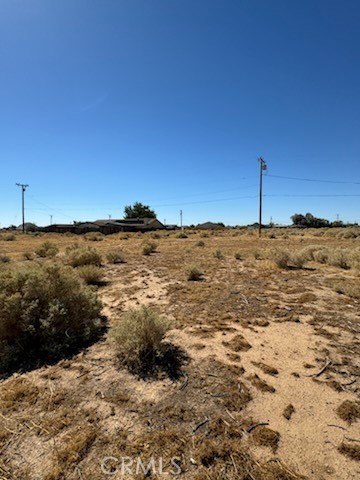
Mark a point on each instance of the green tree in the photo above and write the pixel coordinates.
(138, 210)
(308, 220)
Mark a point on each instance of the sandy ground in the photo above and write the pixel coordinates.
(299, 346)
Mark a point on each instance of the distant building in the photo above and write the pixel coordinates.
(108, 226)
(210, 226)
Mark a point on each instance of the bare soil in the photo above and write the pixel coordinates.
(255, 340)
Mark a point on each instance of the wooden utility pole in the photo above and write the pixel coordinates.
(23, 190)
(262, 168)
(181, 225)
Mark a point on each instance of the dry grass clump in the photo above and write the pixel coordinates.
(94, 236)
(193, 274)
(288, 411)
(115, 256)
(349, 411)
(346, 287)
(181, 235)
(298, 258)
(261, 384)
(321, 255)
(138, 337)
(44, 313)
(75, 446)
(200, 243)
(19, 392)
(266, 437)
(78, 256)
(9, 237)
(238, 344)
(4, 258)
(218, 254)
(47, 249)
(27, 256)
(266, 368)
(148, 247)
(339, 258)
(91, 274)
(350, 450)
(281, 257)
(349, 233)
(238, 256)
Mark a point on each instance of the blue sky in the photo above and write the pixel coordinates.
(171, 102)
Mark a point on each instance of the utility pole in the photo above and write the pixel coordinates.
(262, 168)
(181, 225)
(23, 190)
(109, 216)
(51, 219)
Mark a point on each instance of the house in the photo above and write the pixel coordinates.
(129, 225)
(210, 226)
(108, 226)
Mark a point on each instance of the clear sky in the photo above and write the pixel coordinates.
(171, 102)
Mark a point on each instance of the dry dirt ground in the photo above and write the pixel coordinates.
(266, 357)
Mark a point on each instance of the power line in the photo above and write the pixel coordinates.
(315, 195)
(47, 207)
(313, 180)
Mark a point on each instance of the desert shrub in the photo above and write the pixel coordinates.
(218, 254)
(345, 287)
(238, 256)
(193, 274)
(78, 256)
(9, 237)
(321, 256)
(298, 259)
(4, 258)
(281, 257)
(204, 235)
(349, 233)
(181, 235)
(354, 259)
(138, 336)
(148, 247)
(339, 258)
(156, 236)
(47, 249)
(309, 250)
(200, 243)
(94, 236)
(27, 256)
(115, 256)
(257, 254)
(45, 312)
(91, 274)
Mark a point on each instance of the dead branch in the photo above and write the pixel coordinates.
(250, 429)
(315, 375)
(185, 383)
(204, 422)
